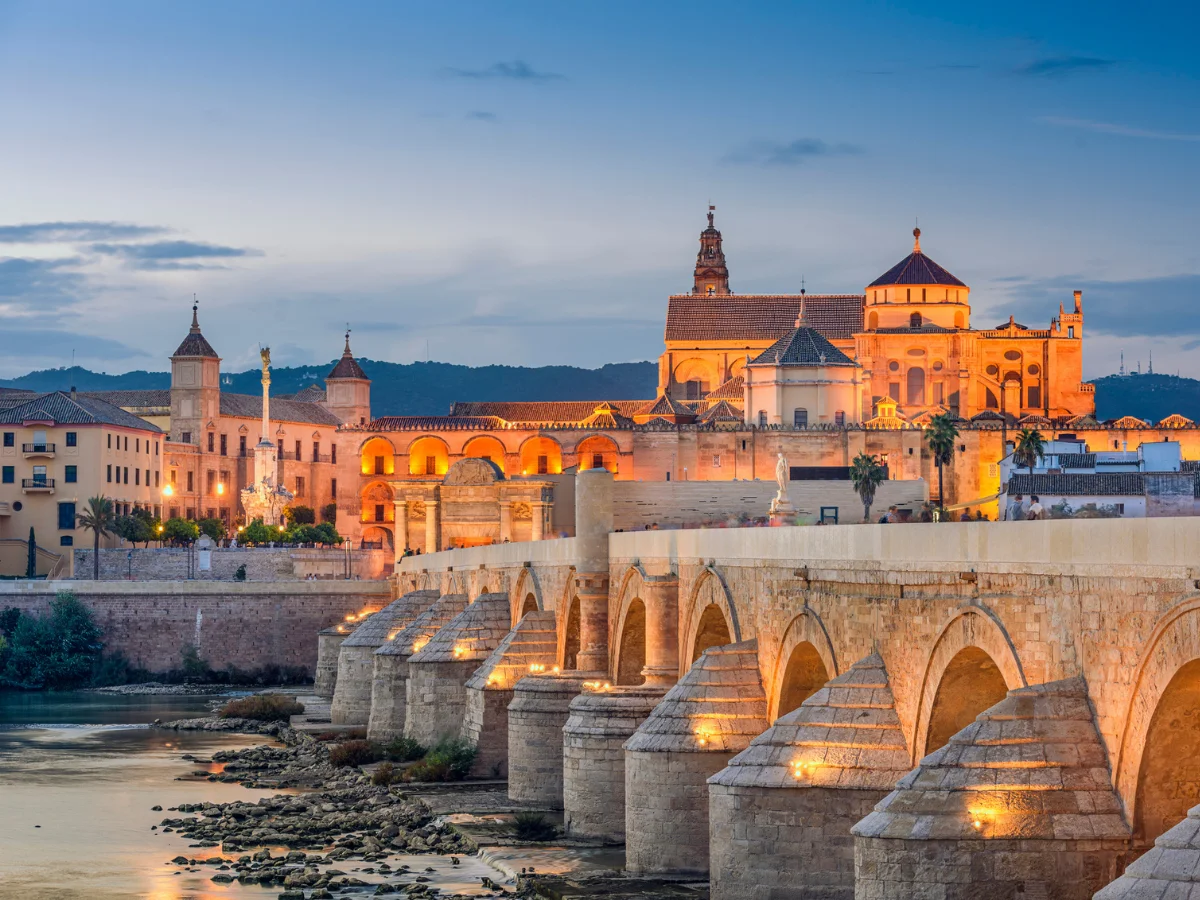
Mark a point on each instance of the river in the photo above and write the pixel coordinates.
(79, 773)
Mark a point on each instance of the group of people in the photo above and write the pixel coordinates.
(408, 551)
(1017, 511)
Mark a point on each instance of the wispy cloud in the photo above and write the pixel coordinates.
(791, 153)
(74, 232)
(517, 70)
(1121, 130)
(172, 255)
(52, 342)
(482, 115)
(40, 283)
(1063, 66)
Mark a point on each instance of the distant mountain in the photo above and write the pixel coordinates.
(1149, 397)
(416, 389)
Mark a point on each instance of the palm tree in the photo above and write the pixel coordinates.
(867, 473)
(1029, 447)
(99, 518)
(941, 433)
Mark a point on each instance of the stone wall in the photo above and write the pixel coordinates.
(262, 564)
(249, 626)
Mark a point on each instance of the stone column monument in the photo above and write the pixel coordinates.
(782, 511)
(264, 499)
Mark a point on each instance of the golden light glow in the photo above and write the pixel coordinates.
(349, 617)
(536, 668)
(977, 824)
(419, 643)
(804, 769)
(220, 489)
(168, 491)
(556, 670)
(459, 651)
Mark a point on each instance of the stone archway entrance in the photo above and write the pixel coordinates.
(1169, 779)
(971, 683)
(571, 640)
(804, 676)
(632, 657)
(529, 604)
(713, 631)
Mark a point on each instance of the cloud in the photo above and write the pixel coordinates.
(517, 70)
(1121, 130)
(72, 232)
(792, 153)
(482, 115)
(51, 343)
(39, 282)
(172, 255)
(1064, 66)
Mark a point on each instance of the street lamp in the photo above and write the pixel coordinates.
(220, 489)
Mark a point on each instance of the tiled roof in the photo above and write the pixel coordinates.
(665, 406)
(733, 389)
(311, 394)
(347, 367)
(249, 406)
(1118, 484)
(151, 399)
(723, 411)
(1077, 460)
(10, 397)
(916, 268)
(60, 408)
(433, 423)
(735, 317)
(927, 328)
(1128, 422)
(542, 410)
(802, 347)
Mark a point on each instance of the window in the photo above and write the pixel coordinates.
(1035, 396)
(173, 512)
(66, 517)
(156, 448)
(1120, 508)
(224, 445)
(543, 465)
(597, 460)
(908, 295)
(716, 460)
(378, 512)
(279, 447)
(241, 445)
(210, 513)
(939, 392)
(10, 438)
(9, 475)
(118, 474)
(110, 442)
(316, 451)
(894, 391)
(156, 477)
(333, 488)
(66, 540)
(762, 418)
(212, 443)
(137, 476)
(914, 321)
(71, 474)
(211, 483)
(186, 437)
(839, 418)
(39, 475)
(126, 444)
(137, 445)
(1071, 333)
(72, 439)
(190, 485)
(916, 386)
(922, 295)
(333, 453)
(298, 456)
(800, 418)
(379, 466)
(125, 476)
(191, 513)
(430, 465)
(174, 479)
(299, 486)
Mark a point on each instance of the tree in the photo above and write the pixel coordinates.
(138, 527)
(99, 517)
(1029, 447)
(866, 473)
(327, 534)
(55, 651)
(941, 433)
(180, 531)
(329, 513)
(299, 515)
(31, 559)
(214, 528)
(258, 533)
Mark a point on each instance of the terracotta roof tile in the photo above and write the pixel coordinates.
(802, 347)
(733, 389)
(61, 409)
(737, 317)
(1119, 484)
(542, 411)
(249, 406)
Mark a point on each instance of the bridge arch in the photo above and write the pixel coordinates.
(526, 597)
(712, 618)
(568, 624)
(629, 645)
(972, 666)
(1155, 768)
(805, 661)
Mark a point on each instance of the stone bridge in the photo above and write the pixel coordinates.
(999, 710)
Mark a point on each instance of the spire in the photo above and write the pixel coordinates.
(195, 317)
(346, 353)
(917, 240)
(347, 366)
(711, 275)
(194, 344)
(800, 323)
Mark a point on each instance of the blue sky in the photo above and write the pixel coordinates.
(524, 183)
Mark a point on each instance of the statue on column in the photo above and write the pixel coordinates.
(782, 511)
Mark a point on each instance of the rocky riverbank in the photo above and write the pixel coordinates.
(159, 689)
(340, 818)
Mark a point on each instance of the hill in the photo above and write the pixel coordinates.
(1149, 397)
(415, 389)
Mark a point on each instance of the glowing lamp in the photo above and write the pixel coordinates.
(168, 491)
(556, 670)
(220, 489)
(977, 824)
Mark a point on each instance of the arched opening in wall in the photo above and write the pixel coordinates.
(989, 399)
(1169, 780)
(970, 684)
(377, 504)
(873, 321)
(571, 642)
(541, 456)
(376, 538)
(959, 320)
(598, 452)
(485, 447)
(713, 631)
(428, 456)
(528, 605)
(804, 676)
(916, 386)
(378, 457)
(695, 377)
(633, 645)
(737, 367)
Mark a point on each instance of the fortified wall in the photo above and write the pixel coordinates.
(863, 711)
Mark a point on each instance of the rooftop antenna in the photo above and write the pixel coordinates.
(1121, 371)
(1150, 367)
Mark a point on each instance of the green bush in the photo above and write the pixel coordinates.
(329, 513)
(180, 531)
(240, 573)
(532, 826)
(327, 534)
(403, 749)
(258, 533)
(263, 708)
(384, 775)
(193, 665)
(214, 528)
(299, 515)
(59, 650)
(449, 760)
(355, 753)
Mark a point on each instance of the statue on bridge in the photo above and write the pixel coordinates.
(782, 511)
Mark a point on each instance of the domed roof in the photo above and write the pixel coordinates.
(916, 268)
(347, 366)
(195, 344)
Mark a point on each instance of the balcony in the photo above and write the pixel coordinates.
(31, 450)
(5, 508)
(37, 485)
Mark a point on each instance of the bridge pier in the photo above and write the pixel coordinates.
(710, 715)
(1168, 870)
(352, 691)
(439, 671)
(597, 727)
(660, 593)
(536, 716)
(532, 642)
(781, 811)
(389, 683)
(329, 644)
(1017, 804)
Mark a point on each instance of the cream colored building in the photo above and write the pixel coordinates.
(56, 451)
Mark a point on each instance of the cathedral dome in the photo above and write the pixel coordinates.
(916, 268)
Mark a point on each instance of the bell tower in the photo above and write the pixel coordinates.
(195, 385)
(348, 389)
(711, 275)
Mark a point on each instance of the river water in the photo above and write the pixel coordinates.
(79, 773)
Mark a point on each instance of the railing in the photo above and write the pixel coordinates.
(35, 483)
(370, 545)
(37, 448)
